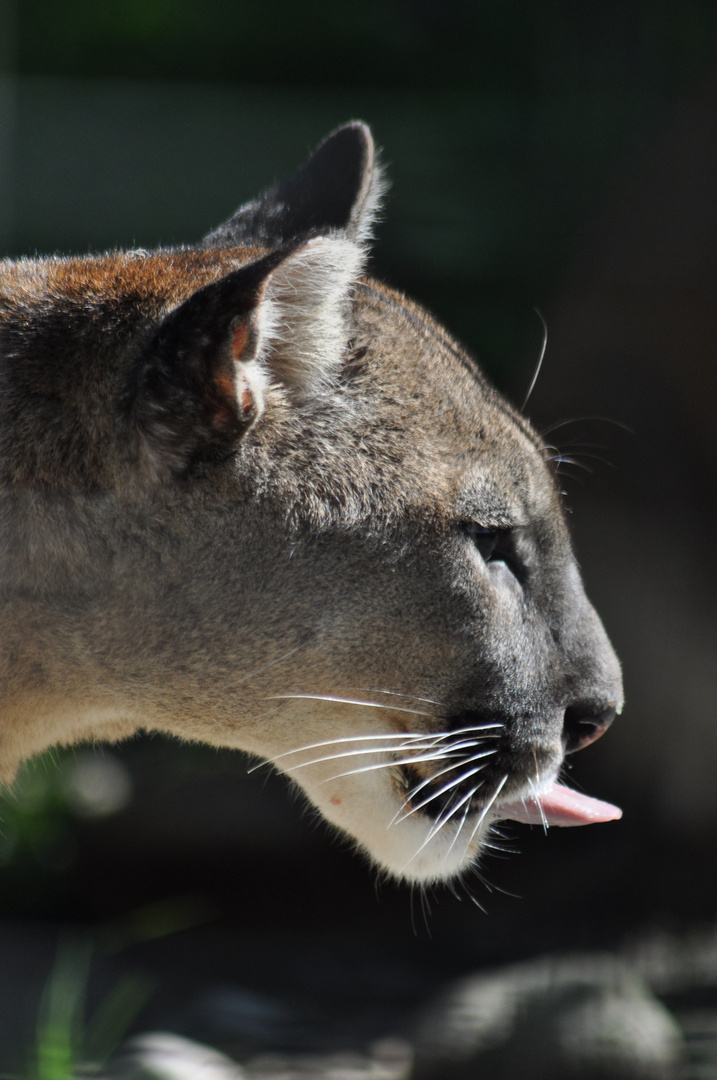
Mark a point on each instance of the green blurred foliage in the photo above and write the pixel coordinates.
(37, 819)
(68, 1042)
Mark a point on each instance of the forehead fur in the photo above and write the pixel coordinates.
(70, 327)
(130, 278)
(412, 428)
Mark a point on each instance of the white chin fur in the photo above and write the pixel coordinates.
(368, 807)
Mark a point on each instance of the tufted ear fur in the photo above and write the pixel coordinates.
(338, 189)
(200, 382)
(306, 314)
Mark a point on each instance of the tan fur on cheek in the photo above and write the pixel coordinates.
(244, 498)
(33, 722)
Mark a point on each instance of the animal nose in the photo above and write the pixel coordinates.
(585, 722)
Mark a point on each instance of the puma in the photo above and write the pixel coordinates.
(252, 497)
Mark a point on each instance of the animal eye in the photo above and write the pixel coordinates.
(485, 540)
(496, 545)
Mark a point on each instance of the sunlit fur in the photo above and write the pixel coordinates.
(356, 782)
(242, 490)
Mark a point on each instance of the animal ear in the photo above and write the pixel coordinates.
(338, 189)
(197, 387)
(201, 382)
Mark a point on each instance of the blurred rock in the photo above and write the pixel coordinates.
(161, 1056)
(389, 1059)
(586, 1017)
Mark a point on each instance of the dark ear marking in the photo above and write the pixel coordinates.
(197, 386)
(199, 382)
(337, 190)
(230, 400)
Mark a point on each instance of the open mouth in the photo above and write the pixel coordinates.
(441, 796)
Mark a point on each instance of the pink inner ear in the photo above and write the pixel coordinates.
(246, 397)
(233, 398)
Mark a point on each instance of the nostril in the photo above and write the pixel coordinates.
(584, 723)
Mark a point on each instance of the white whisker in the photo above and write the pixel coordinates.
(459, 830)
(536, 797)
(402, 739)
(346, 701)
(538, 803)
(394, 742)
(439, 756)
(376, 765)
(433, 832)
(474, 729)
(539, 365)
(430, 779)
(443, 738)
(452, 810)
(446, 787)
(408, 697)
(486, 810)
(465, 761)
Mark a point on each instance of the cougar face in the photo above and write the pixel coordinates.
(252, 497)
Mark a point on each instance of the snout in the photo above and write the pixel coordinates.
(585, 722)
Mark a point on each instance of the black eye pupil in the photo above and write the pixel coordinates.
(486, 540)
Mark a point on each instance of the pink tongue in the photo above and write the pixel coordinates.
(560, 806)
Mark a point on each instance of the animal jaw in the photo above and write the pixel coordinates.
(239, 481)
(418, 803)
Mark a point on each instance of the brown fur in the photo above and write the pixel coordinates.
(236, 476)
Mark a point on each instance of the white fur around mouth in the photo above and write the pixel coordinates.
(409, 846)
(413, 848)
(408, 799)
(423, 828)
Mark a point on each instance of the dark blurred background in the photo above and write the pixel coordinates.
(549, 155)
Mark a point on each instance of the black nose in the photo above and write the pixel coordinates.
(584, 723)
